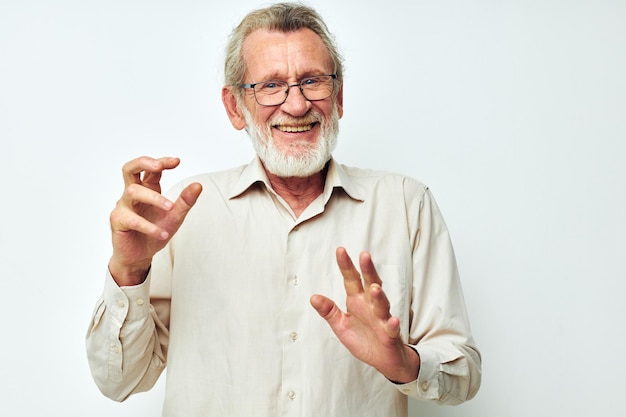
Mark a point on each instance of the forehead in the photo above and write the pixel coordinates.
(271, 54)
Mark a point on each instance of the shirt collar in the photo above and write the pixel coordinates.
(335, 178)
(250, 175)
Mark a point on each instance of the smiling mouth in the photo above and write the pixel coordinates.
(294, 129)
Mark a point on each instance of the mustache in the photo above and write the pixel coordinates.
(307, 119)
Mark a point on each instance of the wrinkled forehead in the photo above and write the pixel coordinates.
(270, 54)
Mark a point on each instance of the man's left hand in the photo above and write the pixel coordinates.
(367, 329)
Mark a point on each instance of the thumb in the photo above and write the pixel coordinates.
(326, 308)
(190, 194)
(186, 201)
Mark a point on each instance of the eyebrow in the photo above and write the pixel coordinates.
(275, 77)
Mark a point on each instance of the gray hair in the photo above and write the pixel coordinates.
(281, 17)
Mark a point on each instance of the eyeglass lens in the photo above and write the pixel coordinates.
(272, 93)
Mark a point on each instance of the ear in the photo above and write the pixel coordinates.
(340, 101)
(230, 104)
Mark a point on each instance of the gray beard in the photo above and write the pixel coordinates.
(306, 160)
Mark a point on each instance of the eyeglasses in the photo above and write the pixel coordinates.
(274, 93)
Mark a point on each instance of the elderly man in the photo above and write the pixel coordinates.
(231, 281)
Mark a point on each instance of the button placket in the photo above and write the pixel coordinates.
(292, 322)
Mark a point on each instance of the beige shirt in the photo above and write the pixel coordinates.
(226, 303)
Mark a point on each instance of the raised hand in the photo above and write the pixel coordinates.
(143, 220)
(367, 328)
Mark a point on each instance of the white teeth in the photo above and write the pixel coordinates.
(292, 129)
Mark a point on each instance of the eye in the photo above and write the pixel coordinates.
(310, 81)
(271, 85)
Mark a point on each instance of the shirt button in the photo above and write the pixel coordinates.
(295, 281)
(293, 336)
(425, 386)
(120, 303)
(140, 301)
(116, 349)
(291, 395)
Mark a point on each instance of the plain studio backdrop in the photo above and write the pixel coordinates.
(513, 112)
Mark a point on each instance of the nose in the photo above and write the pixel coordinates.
(296, 104)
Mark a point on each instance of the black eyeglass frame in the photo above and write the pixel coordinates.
(298, 84)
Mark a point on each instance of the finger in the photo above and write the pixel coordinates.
(327, 309)
(138, 194)
(380, 302)
(368, 270)
(382, 310)
(151, 168)
(151, 179)
(154, 177)
(133, 169)
(392, 327)
(351, 277)
(125, 220)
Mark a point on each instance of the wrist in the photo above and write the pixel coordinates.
(410, 371)
(128, 275)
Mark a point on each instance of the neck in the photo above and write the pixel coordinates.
(298, 192)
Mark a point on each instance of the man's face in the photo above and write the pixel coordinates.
(294, 139)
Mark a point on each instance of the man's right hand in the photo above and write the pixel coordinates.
(143, 221)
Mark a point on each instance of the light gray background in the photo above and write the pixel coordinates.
(514, 112)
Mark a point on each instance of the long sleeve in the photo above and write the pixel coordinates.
(450, 371)
(126, 341)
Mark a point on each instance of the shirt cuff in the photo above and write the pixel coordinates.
(127, 303)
